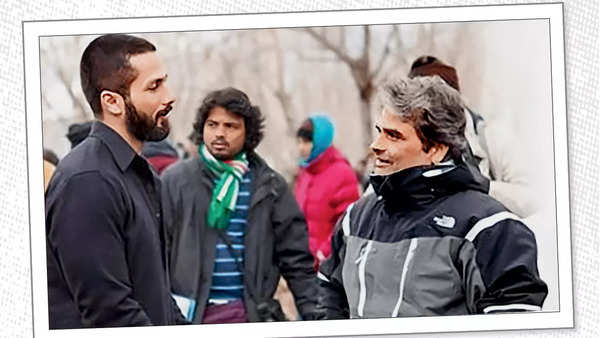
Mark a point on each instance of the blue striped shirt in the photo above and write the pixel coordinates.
(227, 280)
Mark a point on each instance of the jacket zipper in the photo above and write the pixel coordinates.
(409, 256)
(362, 262)
(261, 192)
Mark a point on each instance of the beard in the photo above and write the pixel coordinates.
(144, 127)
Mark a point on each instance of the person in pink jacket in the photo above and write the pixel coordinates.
(326, 184)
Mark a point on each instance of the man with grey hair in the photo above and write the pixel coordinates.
(503, 172)
(430, 241)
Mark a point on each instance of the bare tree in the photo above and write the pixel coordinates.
(364, 71)
(281, 92)
(289, 71)
(53, 54)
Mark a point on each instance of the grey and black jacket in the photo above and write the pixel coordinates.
(276, 239)
(429, 242)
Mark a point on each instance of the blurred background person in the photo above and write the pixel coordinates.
(187, 148)
(51, 157)
(50, 163)
(507, 182)
(160, 154)
(78, 132)
(326, 184)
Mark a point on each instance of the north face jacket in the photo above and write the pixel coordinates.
(430, 241)
(276, 240)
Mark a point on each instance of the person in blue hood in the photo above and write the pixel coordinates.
(326, 184)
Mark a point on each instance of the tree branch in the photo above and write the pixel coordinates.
(384, 54)
(342, 55)
(367, 42)
(307, 58)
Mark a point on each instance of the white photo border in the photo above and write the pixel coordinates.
(33, 30)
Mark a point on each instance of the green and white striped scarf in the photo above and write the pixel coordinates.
(225, 192)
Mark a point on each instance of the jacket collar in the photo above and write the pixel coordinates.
(119, 148)
(424, 184)
(322, 161)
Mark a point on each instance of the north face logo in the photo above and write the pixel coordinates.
(445, 221)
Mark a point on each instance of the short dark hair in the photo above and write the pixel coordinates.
(105, 66)
(235, 101)
(50, 156)
(432, 107)
(306, 130)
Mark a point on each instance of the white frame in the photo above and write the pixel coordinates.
(553, 12)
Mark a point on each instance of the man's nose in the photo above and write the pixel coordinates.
(377, 147)
(169, 98)
(220, 131)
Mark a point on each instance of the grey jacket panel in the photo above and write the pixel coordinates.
(431, 276)
(473, 284)
(368, 294)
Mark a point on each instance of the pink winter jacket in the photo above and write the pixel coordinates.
(323, 190)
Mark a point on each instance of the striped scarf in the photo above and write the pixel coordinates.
(225, 192)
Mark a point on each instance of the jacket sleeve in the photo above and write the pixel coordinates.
(506, 257)
(97, 274)
(510, 180)
(333, 303)
(170, 219)
(291, 248)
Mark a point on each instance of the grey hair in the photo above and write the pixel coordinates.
(432, 107)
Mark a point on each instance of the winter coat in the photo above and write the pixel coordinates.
(430, 241)
(324, 189)
(498, 160)
(276, 239)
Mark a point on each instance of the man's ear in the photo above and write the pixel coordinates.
(437, 153)
(112, 102)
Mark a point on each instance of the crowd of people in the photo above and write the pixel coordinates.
(138, 235)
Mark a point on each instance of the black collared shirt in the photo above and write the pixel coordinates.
(105, 240)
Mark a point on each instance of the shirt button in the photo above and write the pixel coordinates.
(157, 215)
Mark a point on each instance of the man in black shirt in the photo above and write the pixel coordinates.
(105, 240)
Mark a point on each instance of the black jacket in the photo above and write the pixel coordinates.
(429, 242)
(276, 240)
(105, 242)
